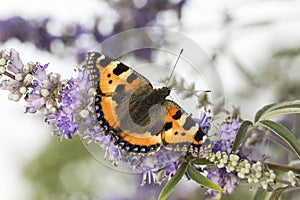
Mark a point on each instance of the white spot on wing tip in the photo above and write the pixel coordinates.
(101, 57)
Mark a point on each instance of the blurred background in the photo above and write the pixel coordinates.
(254, 45)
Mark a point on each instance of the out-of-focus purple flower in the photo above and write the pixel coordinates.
(228, 132)
(131, 14)
(204, 122)
(226, 136)
(228, 181)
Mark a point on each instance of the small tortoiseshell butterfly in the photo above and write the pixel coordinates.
(137, 116)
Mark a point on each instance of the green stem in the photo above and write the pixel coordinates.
(283, 168)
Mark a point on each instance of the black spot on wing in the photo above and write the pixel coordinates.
(189, 122)
(177, 115)
(131, 78)
(199, 135)
(168, 126)
(120, 69)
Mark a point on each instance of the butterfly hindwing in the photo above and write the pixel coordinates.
(180, 132)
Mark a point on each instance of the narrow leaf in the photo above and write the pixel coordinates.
(272, 110)
(240, 135)
(262, 111)
(199, 178)
(277, 193)
(260, 194)
(169, 187)
(294, 103)
(284, 133)
(202, 161)
(282, 111)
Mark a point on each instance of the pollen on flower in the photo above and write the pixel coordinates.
(5, 54)
(55, 78)
(2, 62)
(2, 70)
(27, 69)
(19, 77)
(45, 92)
(28, 79)
(84, 113)
(14, 97)
(23, 90)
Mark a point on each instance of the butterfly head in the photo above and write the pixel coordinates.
(165, 91)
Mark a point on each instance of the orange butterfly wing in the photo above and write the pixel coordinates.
(115, 84)
(181, 132)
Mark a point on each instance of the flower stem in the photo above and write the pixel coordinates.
(9, 75)
(283, 168)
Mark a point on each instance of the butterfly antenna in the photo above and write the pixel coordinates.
(174, 67)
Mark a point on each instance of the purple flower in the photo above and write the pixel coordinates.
(65, 124)
(204, 122)
(43, 91)
(19, 76)
(39, 72)
(15, 65)
(130, 15)
(228, 132)
(227, 180)
(226, 137)
(71, 104)
(34, 103)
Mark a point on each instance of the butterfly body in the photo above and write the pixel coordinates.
(137, 116)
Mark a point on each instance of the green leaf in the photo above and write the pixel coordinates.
(169, 187)
(199, 178)
(240, 135)
(272, 110)
(284, 133)
(294, 103)
(277, 193)
(281, 111)
(262, 111)
(202, 161)
(260, 194)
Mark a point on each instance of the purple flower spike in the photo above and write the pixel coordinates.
(65, 124)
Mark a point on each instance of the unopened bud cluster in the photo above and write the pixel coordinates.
(252, 173)
(292, 178)
(4, 57)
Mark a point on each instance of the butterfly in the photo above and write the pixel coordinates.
(138, 117)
